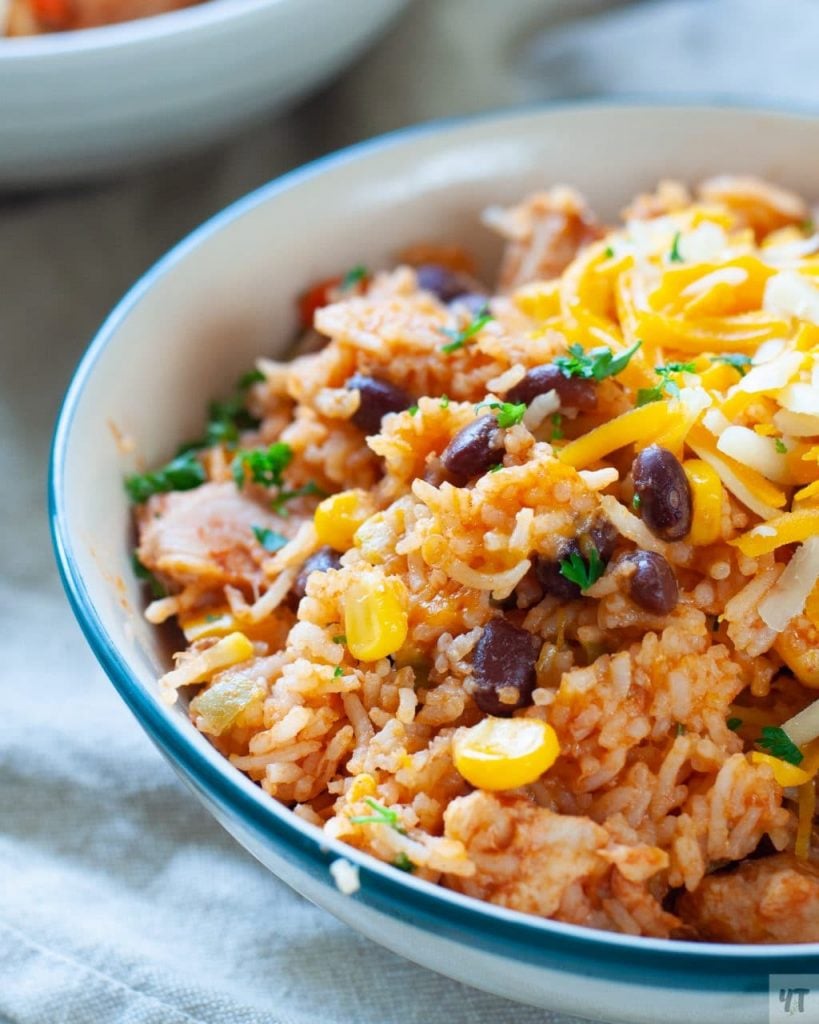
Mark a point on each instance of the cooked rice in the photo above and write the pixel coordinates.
(655, 787)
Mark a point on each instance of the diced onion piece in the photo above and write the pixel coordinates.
(756, 451)
(599, 479)
(792, 294)
(705, 242)
(631, 526)
(790, 592)
(230, 650)
(796, 424)
(221, 704)
(801, 398)
(715, 421)
(773, 375)
(540, 407)
(785, 528)
(807, 810)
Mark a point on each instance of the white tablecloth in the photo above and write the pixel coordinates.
(121, 901)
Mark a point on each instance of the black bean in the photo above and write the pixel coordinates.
(600, 534)
(446, 284)
(504, 668)
(320, 561)
(573, 392)
(663, 491)
(473, 450)
(552, 579)
(378, 397)
(652, 583)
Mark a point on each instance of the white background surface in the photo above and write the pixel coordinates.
(121, 902)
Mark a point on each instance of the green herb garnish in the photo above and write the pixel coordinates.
(508, 413)
(413, 409)
(608, 252)
(403, 863)
(382, 816)
(212, 617)
(557, 427)
(496, 468)
(181, 474)
(248, 379)
(636, 502)
(667, 386)
(144, 574)
(777, 742)
(780, 446)
(306, 490)
(597, 363)
(460, 338)
(734, 723)
(265, 465)
(353, 277)
(444, 403)
(679, 729)
(738, 360)
(583, 573)
(270, 540)
(674, 256)
(340, 639)
(808, 226)
(338, 671)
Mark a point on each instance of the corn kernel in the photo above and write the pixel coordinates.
(504, 753)
(786, 774)
(210, 622)
(375, 615)
(706, 492)
(339, 516)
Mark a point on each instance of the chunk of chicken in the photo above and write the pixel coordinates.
(555, 865)
(206, 535)
(775, 899)
(759, 205)
(544, 234)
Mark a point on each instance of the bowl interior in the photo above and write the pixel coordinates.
(226, 295)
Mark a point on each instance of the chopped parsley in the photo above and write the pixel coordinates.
(212, 617)
(808, 226)
(403, 863)
(583, 573)
(381, 816)
(778, 743)
(608, 252)
(248, 379)
(496, 468)
(265, 465)
(444, 403)
(667, 386)
(508, 413)
(340, 639)
(597, 363)
(636, 502)
(780, 446)
(738, 360)
(181, 474)
(354, 277)
(225, 422)
(270, 540)
(306, 490)
(413, 409)
(734, 723)
(674, 256)
(338, 671)
(679, 729)
(460, 338)
(146, 576)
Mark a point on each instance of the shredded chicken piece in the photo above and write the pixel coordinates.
(759, 205)
(556, 865)
(544, 234)
(206, 535)
(775, 899)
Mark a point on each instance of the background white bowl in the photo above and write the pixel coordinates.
(224, 296)
(87, 103)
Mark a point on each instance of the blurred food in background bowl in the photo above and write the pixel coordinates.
(86, 103)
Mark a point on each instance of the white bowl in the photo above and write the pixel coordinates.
(224, 296)
(87, 103)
